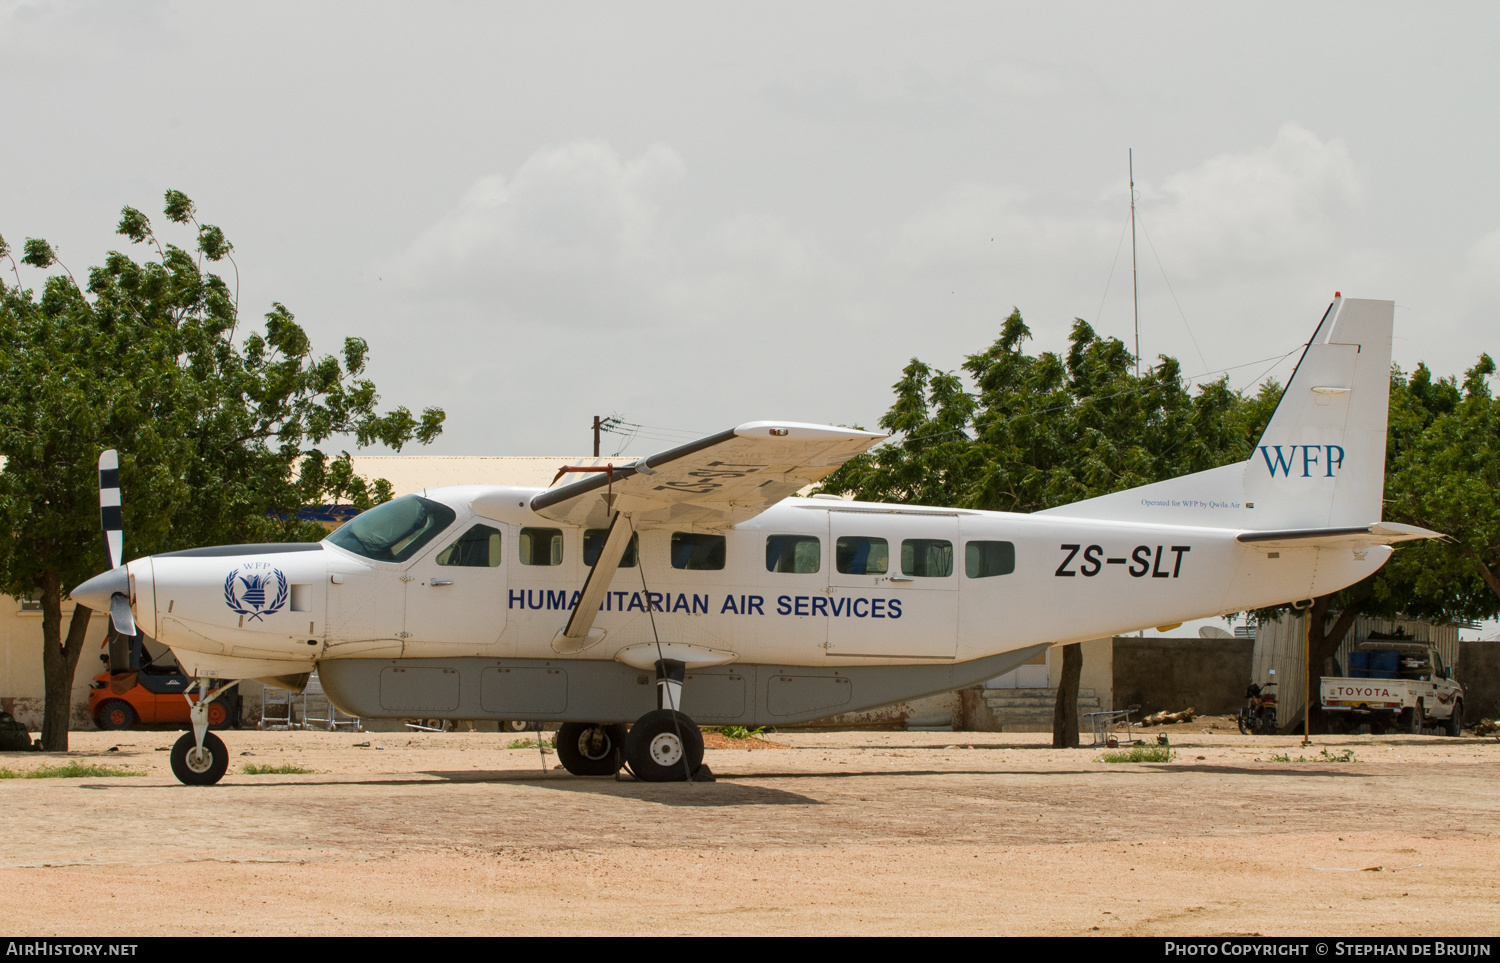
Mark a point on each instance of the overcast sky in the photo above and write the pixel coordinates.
(694, 215)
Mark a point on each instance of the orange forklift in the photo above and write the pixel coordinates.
(141, 683)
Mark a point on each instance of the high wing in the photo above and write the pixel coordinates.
(714, 482)
(1358, 536)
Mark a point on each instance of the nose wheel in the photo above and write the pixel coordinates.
(199, 766)
(200, 758)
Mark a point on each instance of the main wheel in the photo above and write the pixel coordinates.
(115, 714)
(1410, 720)
(590, 749)
(1455, 726)
(664, 746)
(199, 767)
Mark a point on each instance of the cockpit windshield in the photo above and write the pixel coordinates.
(393, 532)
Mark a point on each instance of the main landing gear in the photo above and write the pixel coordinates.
(200, 758)
(664, 745)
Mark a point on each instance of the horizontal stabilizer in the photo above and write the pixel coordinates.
(1359, 536)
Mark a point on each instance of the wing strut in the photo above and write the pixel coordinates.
(579, 633)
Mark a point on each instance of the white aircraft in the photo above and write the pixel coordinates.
(687, 586)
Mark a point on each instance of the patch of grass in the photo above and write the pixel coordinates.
(738, 732)
(69, 770)
(1346, 755)
(529, 744)
(287, 769)
(1140, 754)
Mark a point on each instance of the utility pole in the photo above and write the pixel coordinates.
(1135, 290)
(596, 436)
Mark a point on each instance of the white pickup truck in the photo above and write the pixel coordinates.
(1394, 685)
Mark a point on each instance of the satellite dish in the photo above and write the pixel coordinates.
(1214, 632)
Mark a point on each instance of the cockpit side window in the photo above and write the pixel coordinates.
(479, 547)
(395, 531)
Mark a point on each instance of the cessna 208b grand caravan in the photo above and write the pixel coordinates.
(688, 586)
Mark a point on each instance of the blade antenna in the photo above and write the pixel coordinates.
(650, 611)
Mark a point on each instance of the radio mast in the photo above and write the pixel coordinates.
(1135, 290)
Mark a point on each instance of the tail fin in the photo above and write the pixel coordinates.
(1321, 461)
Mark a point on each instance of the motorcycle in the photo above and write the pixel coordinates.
(1258, 714)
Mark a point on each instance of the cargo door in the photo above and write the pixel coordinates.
(893, 585)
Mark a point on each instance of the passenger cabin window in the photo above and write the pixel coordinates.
(697, 552)
(593, 544)
(541, 546)
(479, 547)
(927, 557)
(987, 559)
(860, 555)
(393, 532)
(799, 554)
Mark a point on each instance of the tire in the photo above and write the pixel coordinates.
(200, 772)
(1410, 720)
(515, 725)
(659, 741)
(1244, 729)
(219, 716)
(1455, 726)
(590, 749)
(115, 714)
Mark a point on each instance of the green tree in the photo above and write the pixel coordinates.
(1037, 431)
(218, 437)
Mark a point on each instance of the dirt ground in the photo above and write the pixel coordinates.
(843, 832)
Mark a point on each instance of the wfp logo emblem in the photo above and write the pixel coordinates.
(255, 593)
(1321, 461)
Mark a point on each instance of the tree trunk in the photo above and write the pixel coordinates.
(59, 662)
(1065, 711)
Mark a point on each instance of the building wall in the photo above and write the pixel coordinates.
(21, 686)
(1159, 674)
(1479, 671)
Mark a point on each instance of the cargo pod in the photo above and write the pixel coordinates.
(893, 584)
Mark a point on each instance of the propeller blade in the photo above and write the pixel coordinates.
(109, 512)
(120, 615)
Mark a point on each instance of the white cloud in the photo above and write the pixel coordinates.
(1271, 205)
(572, 238)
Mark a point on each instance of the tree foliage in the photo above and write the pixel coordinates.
(1036, 431)
(220, 437)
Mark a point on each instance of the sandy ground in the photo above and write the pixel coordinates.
(844, 832)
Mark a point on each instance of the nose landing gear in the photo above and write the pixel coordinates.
(200, 758)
